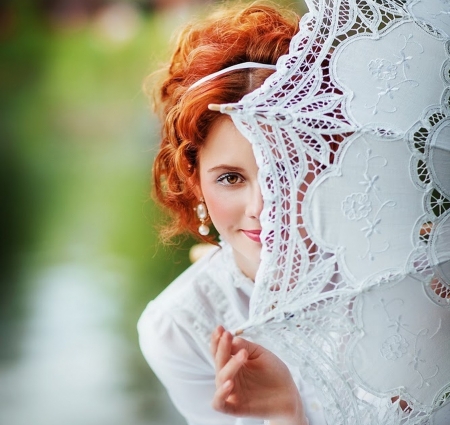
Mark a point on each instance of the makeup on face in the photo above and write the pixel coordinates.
(229, 186)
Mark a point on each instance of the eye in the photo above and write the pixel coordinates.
(230, 179)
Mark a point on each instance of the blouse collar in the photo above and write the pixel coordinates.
(239, 280)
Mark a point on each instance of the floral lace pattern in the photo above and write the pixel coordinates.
(352, 139)
(394, 347)
(407, 341)
(365, 227)
(356, 206)
(385, 82)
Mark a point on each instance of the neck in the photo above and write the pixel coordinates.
(248, 268)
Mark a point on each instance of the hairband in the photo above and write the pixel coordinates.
(232, 68)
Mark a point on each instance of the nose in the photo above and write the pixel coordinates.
(255, 202)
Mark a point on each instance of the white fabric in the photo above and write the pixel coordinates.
(175, 328)
(351, 135)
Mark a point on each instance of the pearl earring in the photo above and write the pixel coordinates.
(202, 214)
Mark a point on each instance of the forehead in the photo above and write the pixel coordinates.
(225, 143)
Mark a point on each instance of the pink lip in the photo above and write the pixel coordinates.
(254, 235)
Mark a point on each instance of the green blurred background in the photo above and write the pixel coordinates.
(80, 256)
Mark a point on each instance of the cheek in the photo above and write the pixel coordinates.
(220, 208)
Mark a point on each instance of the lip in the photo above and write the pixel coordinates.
(254, 235)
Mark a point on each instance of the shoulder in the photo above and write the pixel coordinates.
(196, 293)
(183, 316)
(174, 332)
(181, 293)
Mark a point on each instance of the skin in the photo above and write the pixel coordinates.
(253, 382)
(229, 186)
(250, 380)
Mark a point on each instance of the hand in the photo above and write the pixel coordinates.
(253, 382)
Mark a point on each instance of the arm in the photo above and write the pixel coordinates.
(252, 382)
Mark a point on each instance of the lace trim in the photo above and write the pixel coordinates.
(351, 137)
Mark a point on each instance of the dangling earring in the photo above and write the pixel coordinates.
(202, 214)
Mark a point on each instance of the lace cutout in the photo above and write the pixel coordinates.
(352, 139)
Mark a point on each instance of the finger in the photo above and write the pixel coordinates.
(240, 343)
(223, 353)
(221, 395)
(215, 337)
(229, 370)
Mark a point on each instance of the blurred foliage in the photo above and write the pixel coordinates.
(77, 144)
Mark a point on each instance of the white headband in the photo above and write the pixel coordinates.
(231, 68)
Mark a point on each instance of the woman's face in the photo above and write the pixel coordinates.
(228, 182)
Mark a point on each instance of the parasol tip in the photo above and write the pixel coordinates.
(219, 108)
(214, 107)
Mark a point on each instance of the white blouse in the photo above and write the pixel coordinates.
(175, 329)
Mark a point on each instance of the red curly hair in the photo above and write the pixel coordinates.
(259, 32)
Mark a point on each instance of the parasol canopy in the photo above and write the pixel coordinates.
(352, 139)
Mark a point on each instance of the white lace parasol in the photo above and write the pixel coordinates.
(352, 138)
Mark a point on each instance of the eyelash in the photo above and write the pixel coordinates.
(223, 179)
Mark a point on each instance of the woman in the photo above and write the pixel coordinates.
(205, 172)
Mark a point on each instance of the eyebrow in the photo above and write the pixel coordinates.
(225, 167)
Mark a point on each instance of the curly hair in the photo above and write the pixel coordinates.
(259, 32)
